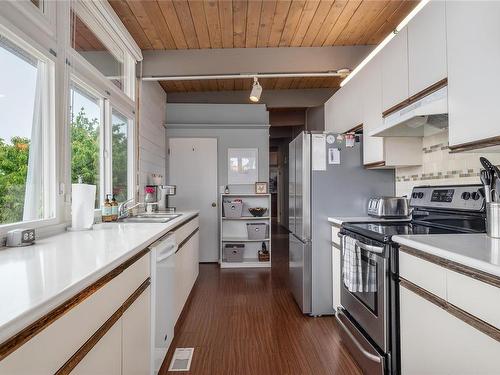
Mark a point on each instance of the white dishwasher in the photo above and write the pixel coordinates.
(162, 297)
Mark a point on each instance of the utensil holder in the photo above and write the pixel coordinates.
(493, 220)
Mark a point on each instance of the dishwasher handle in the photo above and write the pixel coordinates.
(165, 247)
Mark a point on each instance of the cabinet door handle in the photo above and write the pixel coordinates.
(214, 204)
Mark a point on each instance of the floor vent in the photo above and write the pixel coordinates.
(181, 360)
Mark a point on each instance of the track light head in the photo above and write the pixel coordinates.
(256, 90)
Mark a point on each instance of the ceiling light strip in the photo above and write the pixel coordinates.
(340, 73)
(386, 40)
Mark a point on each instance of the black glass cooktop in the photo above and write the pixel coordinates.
(384, 232)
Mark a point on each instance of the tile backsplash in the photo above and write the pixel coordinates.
(440, 167)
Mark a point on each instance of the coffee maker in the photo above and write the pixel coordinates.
(163, 192)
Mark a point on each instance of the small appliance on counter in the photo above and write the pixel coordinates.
(389, 207)
(164, 191)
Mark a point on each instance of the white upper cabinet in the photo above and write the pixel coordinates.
(394, 57)
(342, 110)
(354, 105)
(473, 46)
(427, 47)
(333, 108)
(371, 82)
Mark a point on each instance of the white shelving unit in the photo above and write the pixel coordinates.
(234, 230)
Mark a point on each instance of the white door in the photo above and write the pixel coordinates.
(193, 168)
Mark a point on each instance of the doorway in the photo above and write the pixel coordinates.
(193, 168)
(286, 124)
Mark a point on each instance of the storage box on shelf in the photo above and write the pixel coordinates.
(238, 226)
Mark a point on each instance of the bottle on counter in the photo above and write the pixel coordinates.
(106, 210)
(114, 208)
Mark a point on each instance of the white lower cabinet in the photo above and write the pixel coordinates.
(136, 339)
(105, 358)
(435, 342)
(186, 271)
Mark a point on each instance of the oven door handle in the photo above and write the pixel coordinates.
(366, 353)
(370, 248)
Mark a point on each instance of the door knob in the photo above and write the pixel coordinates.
(214, 204)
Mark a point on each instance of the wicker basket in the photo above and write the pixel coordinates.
(263, 257)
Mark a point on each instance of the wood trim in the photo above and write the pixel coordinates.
(453, 266)
(457, 312)
(19, 339)
(419, 95)
(99, 334)
(185, 240)
(488, 142)
(376, 164)
(183, 223)
(429, 90)
(355, 129)
(396, 108)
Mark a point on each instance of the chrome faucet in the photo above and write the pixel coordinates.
(124, 210)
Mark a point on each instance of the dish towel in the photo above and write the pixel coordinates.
(370, 274)
(351, 267)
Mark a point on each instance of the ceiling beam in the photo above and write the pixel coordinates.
(272, 98)
(251, 60)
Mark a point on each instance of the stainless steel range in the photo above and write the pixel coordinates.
(369, 314)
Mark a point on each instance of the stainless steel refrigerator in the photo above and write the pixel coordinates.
(326, 178)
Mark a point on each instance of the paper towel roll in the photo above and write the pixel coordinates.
(82, 206)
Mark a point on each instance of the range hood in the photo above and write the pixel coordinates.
(423, 117)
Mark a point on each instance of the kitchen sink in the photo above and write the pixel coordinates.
(156, 217)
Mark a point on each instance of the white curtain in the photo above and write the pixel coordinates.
(33, 197)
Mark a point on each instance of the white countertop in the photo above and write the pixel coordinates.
(360, 219)
(37, 278)
(477, 251)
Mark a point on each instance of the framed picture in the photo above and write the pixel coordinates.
(261, 188)
(243, 168)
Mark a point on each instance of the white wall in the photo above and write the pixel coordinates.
(152, 149)
(234, 126)
(440, 167)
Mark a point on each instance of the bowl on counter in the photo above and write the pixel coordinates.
(257, 211)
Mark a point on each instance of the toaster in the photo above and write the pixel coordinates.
(389, 207)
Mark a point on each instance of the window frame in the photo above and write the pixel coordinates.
(131, 144)
(37, 19)
(50, 167)
(81, 85)
(29, 27)
(92, 19)
(122, 101)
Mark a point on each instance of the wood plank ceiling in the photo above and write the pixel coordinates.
(193, 24)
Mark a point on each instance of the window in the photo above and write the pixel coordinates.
(86, 139)
(26, 144)
(92, 49)
(120, 155)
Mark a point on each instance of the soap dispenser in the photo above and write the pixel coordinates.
(106, 210)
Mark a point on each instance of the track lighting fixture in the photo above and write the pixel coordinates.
(256, 90)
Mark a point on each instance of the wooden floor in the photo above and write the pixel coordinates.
(246, 322)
